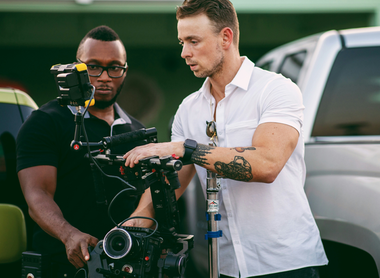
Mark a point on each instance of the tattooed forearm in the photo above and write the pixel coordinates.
(239, 169)
(198, 156)
(241, 149)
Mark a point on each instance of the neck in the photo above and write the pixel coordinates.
(220, 80)
(107, 114)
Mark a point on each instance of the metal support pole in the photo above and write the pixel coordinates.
(212, 202)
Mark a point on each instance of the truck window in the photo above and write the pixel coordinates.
(266, 65)
(350, 103)
(292, 64)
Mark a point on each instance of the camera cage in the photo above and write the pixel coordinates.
(160, 251)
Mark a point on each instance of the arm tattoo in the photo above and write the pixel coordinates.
(241, 149)
(239, 169)
(198, 156)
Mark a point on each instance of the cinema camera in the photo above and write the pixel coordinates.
(125, 251)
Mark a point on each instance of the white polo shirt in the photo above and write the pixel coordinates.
(267, 228)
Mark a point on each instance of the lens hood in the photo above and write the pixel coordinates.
(117, 243)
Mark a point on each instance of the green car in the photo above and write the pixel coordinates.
(15, 107)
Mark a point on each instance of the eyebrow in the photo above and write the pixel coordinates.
(190, 38)
(110, 63)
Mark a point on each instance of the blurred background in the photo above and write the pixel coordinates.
(36, 34)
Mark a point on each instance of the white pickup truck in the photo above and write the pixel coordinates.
(338, 73)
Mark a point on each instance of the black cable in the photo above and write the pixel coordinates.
(131, 187)
(89, 151)
(85, 272)
(113, 199)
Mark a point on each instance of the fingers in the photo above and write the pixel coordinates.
(85, 254)
(77, 249)
(133, 156)
(76, 258)
(92, 242)
(139, 222)
(130, 223)
(160, 149)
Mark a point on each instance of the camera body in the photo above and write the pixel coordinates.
(139, 252)
(124, 251)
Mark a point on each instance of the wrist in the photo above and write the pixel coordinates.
(189, 147)
(67, 233)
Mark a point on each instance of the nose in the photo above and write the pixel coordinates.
(104, 77)
(186, 52)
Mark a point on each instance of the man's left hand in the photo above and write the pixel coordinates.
(160, 149)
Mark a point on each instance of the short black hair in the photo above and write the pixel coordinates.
(101, 33)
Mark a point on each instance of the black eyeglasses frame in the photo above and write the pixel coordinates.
(106, 69)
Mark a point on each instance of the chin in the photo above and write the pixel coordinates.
(199, 74)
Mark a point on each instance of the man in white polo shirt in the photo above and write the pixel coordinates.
(268, 228)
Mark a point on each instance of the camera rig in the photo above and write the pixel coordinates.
(125, 251)
(143, 252)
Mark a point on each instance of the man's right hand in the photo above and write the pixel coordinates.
(77, 247)
(38, 184)
(139, 222)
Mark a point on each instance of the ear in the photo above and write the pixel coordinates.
(126, 70)
(227, 37)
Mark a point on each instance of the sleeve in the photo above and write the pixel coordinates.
(177, 130)
(36, 144)
(282, 103)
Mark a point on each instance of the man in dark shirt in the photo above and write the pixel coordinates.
(57, 182)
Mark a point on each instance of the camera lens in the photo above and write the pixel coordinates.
(117, 243)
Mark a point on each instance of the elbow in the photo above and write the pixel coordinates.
(268, 175)
(269, 178)
(32, 214)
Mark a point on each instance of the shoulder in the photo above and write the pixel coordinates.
(52, 107)
(191, 99)
(47, 111)
(54, 110)
(50, 119)
(272, 79)
(135, 124)
(271, 83)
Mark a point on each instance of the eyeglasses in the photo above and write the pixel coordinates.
(211, 131)
(113, 71)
